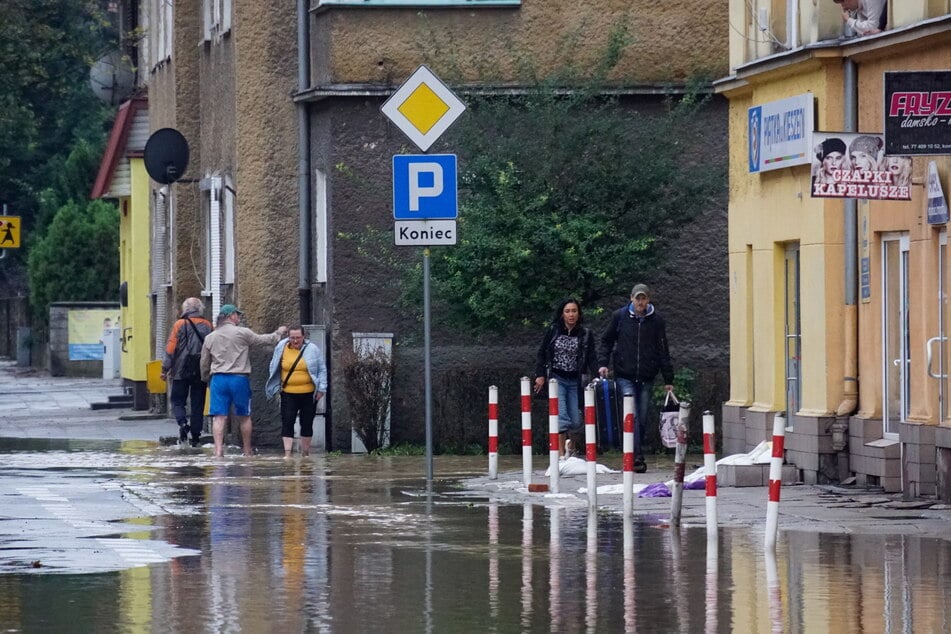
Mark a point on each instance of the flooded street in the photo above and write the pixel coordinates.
(129, 537)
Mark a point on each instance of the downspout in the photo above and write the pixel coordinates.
(305, 247)
(850, 385)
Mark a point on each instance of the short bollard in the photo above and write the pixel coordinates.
(493, 432)
(627, 478)
(526, 430)
(775, 481)
(590, 446)
(710, 470)
(553, 436)
(680, 465)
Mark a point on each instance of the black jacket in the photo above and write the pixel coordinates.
(638, 346)
(587, 355)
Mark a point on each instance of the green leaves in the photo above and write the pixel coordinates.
(564, 194)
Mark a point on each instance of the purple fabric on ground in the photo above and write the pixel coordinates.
(699, 483)
(656, 490)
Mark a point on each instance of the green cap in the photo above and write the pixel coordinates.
(640, 289)
(229, 309)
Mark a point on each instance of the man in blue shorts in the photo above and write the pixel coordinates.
(226, 366)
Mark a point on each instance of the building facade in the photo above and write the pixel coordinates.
(837, 305)
(280, 106)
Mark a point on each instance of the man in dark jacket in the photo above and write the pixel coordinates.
(182, 358)
(636, 339)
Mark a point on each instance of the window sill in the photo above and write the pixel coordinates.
(417, 4)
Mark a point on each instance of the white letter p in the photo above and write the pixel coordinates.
(415, 190)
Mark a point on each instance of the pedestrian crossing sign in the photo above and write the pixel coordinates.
(10, 232)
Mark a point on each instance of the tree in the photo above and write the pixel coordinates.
(67, 264)
(564, 193)
(46, 105)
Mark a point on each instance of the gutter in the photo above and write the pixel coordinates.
(305, 238)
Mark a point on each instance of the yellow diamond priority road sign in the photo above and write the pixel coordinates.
(423, 108)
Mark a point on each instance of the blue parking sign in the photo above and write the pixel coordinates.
(424, 186)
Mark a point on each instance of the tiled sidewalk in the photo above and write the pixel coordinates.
(36, 405)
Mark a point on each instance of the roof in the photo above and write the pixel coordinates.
(116, 146)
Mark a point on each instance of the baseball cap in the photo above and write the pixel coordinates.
(229, 309)
(640, 289)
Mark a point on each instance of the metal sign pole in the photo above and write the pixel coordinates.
(427, 372)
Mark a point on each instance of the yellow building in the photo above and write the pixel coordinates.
(838, 306)
(122, 176)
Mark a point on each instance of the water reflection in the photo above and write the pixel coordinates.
(359, 544)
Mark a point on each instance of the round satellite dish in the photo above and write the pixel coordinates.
(166, 155)
(112, 78)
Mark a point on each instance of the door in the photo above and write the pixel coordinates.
(792, 333)
(937, 346)
(896, 359)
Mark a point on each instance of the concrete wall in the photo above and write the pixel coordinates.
(354, 146)
(670, 42)
(59, 362)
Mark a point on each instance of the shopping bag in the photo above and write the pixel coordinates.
(669, 419)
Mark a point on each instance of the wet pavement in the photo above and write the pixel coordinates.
(108, 530)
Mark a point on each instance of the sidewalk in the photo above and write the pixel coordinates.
(36, 405)
(814, 509)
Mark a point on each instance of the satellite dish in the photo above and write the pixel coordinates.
(166, 155)
(112, 78)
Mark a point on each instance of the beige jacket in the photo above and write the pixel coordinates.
(226, 350)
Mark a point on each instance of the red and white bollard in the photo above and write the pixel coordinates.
(493, 432)
(553, 436)
(775, 480)
(591, 447)
(526, 430)
(680, 464)
(628, 447)
(710, 470)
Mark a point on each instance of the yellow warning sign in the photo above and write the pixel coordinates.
(9, 232)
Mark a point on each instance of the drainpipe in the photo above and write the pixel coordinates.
(303, 162)
(850, 385)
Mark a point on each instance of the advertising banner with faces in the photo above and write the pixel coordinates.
(847, 165)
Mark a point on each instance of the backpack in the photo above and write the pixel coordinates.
(191, 367)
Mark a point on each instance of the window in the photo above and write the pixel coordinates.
(419, 3)
(320, 217)
(161, 20)
(216, 19)
(218, 206)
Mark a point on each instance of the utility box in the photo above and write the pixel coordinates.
(24, 340)
(111, 354)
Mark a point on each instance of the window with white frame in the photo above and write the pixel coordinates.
(419, 3)
(216, 19)
(161, 30)
(168, 246)
(227, 232)
(218, 204)
(320, 222)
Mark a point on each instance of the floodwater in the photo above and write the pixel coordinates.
(133, 538)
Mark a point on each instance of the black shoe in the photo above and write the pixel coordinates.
(640, 466)
(194, 442)
(182, 433)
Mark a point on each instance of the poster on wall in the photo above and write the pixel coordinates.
(778, 133)
(937, 203)
(85, 331)
(846, 165)
(918, 112)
